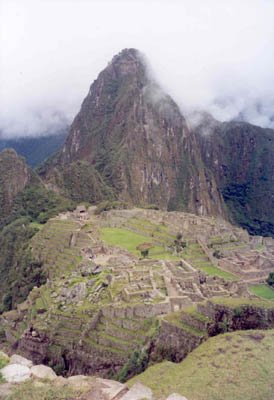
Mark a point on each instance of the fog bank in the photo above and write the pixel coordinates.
(208, 54)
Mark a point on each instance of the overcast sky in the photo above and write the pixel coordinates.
(211, 54)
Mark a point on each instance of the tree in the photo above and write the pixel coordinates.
(179, 243)
(270, 279)
(144, 249)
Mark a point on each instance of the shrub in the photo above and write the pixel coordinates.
(144, 249)
(270, 279)
(179, 243)
(179, 236)
(238, 312)
(136, 364)
(217, 254)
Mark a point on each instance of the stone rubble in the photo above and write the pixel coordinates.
(21, 369)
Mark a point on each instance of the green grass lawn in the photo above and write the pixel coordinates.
(212, 270)
(129, 240)
(263, 291)
(236, 365)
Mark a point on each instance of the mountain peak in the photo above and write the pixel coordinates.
(131, 141)
(129, 62)
(128, 53)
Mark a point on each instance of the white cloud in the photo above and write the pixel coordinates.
(212, 54)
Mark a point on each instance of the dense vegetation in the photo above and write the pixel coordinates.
(136, 364)
(39, 204)
(19, 273)
(80, 182)
(241, 158)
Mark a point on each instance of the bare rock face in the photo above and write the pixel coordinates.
(130, 141)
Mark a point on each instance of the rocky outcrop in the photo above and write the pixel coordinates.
(91, 388)
(43, 372)
(15, 373)
(138, 392)
(136, 145)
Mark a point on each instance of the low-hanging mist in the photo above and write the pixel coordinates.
(209, 55)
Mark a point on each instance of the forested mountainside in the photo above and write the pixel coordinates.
(241, 158)
(24, 203)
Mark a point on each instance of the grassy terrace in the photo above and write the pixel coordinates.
(235, 365)
(192, 310)
(210, 269)
(175, 319)
(129, 240)
(196, 256)
(237, 302)
(263, 291)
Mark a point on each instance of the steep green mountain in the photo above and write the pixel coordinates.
(35, 149)
(24, 204)
(14, 177)
(130, 141)
(241, 158)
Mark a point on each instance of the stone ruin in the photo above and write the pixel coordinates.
(251, 261)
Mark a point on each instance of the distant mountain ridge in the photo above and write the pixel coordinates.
(35, 149)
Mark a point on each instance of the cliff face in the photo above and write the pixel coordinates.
(240, 157)
(134, 144)
(14, 176)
